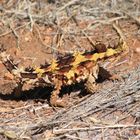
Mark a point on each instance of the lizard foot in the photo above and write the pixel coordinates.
(58, 102)
(55, 100)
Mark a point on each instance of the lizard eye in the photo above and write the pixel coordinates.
(29, 69)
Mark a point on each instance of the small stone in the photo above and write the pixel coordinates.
(137, 50)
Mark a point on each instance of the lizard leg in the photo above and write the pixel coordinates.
(90, 84)
(55, 100)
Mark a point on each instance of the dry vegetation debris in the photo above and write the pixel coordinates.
(50, 28)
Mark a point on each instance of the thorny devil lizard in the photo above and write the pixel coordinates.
(70, 69)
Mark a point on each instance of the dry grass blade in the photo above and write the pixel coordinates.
(60, 131)
(72, 2)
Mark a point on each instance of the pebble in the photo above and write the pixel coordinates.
(137, 50)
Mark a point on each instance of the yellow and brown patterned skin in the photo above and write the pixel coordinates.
(67, 70)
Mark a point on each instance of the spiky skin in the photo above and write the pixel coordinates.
(67, 70)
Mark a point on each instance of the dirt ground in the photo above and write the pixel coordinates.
(33, 32)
